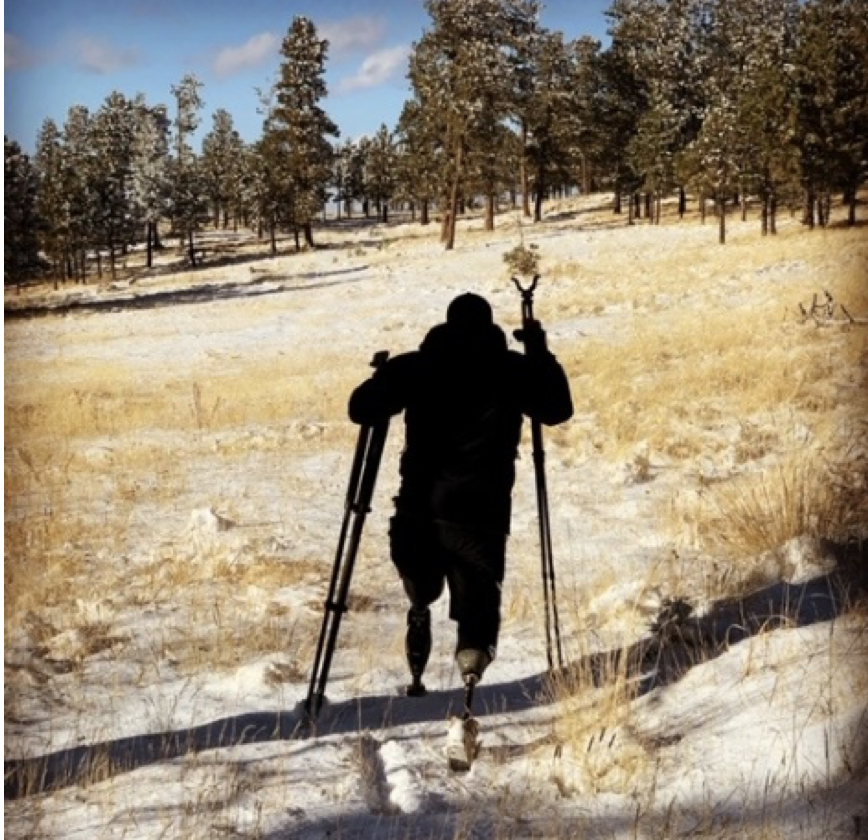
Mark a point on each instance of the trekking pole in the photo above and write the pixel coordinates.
(545, 536)
(363, 477)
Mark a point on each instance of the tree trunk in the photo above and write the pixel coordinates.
(586, 176)
(616, 204)
(272, 237)
(540, 190)
(191, 249)
(425, 213)
(721, 218)
(454, 197)
(808, 213)
(525, 182)
(764, 215)
(489, 212)
(149, 238)
(682, 202)
(773, 212)
(308, 235)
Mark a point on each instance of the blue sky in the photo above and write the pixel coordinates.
(61, 53)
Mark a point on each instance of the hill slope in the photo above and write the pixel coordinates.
(177, 453)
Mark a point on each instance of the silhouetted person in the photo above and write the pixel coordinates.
(464, 394)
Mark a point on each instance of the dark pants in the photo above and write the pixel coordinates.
(428, 555)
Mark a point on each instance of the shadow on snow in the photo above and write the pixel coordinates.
(202, 293)
(678, 641)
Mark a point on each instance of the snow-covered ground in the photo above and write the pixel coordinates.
(177, 455)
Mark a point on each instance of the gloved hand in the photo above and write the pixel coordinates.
(533, 336)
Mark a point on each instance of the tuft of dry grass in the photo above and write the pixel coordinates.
(600, 750)
(797, 497)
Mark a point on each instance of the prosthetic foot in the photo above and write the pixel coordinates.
(418, 648)
(462, 738)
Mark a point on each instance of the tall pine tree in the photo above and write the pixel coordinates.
(833, 103)
(462, 80)
(222, 159)
(112, 138)
(297, 128)
(188, 205)
(20, 185)
(150, 175)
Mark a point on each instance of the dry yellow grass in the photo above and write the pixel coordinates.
(706, 357)
(799, 497)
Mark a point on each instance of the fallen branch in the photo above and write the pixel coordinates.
(823, 313)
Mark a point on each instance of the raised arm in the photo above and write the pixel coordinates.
(386, 392)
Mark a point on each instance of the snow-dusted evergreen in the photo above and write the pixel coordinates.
(297, 129)
(20, 189)
(715, 100)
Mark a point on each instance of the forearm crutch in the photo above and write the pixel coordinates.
(553, 632)
(363, 477)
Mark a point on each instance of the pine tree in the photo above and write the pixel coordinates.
(380, 171)
(551, 118)
(20, 186)
(833, 102)
(624, 95)
(340, 179)
(587, 100)
(79, 165)
(419, 159)
(188, 201)
(53, 198)
(720, 160)
(222, 156)
(112, 135)
(462, 80)
(355, 186)
(669, 60)
(151, 170)
(298, 127)
(767, 103)
(272, 190)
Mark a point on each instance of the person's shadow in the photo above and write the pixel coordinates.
(677, 641)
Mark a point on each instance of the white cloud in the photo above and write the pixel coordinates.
(16, 54)
(377, 69)
(96, 56)
(252, 53)
(352, 35)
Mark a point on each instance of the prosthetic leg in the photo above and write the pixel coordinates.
(418, 648)
(462, 737)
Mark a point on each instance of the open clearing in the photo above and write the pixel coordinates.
(176, 458)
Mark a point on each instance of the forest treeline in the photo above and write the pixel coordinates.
(722, 100)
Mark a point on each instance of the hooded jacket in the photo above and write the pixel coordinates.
(464, 395)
